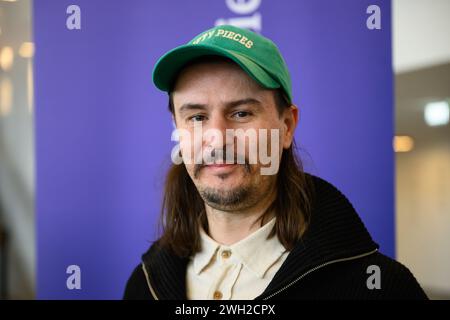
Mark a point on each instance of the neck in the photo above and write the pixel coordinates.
(227, 227)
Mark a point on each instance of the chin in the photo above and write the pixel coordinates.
(223, 184)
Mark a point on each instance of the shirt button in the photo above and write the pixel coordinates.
(217, 295)
(226, 254)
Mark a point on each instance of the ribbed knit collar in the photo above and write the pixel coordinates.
(335, 232)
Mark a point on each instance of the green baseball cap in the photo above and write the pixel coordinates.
(258, 56)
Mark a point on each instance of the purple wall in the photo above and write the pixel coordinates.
(103, 131)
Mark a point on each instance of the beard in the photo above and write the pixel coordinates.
(241, 197)
(237, 198)
(227, 200)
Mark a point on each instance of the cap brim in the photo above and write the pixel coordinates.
(170, 64)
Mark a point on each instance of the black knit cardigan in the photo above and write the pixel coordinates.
(332, 260)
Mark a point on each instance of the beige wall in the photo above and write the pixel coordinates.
(420, 33)
(421, 56)
(423, 216)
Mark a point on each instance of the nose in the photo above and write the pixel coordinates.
(214, 134)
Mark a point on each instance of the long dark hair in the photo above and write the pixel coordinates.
(183, 209)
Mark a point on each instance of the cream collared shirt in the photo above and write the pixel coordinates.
(240, 271)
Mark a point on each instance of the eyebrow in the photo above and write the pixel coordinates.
(229, 105)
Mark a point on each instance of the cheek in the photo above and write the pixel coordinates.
(270, 141)
(190, 147)
(186, 149)
(190, 169)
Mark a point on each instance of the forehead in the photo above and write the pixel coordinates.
(215, 77)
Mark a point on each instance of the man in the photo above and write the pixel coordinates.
(233, 228)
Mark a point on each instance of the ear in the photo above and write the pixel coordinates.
(290, 121)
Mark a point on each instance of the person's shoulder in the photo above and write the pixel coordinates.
(396, 279)
(136, 287)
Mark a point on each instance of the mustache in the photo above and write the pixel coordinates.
(219, 156)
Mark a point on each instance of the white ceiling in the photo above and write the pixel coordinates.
(421, 33)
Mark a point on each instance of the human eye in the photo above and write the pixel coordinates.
(241, 114)
(197, 118)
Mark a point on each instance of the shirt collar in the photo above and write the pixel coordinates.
(255, 251)
(209, 248)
